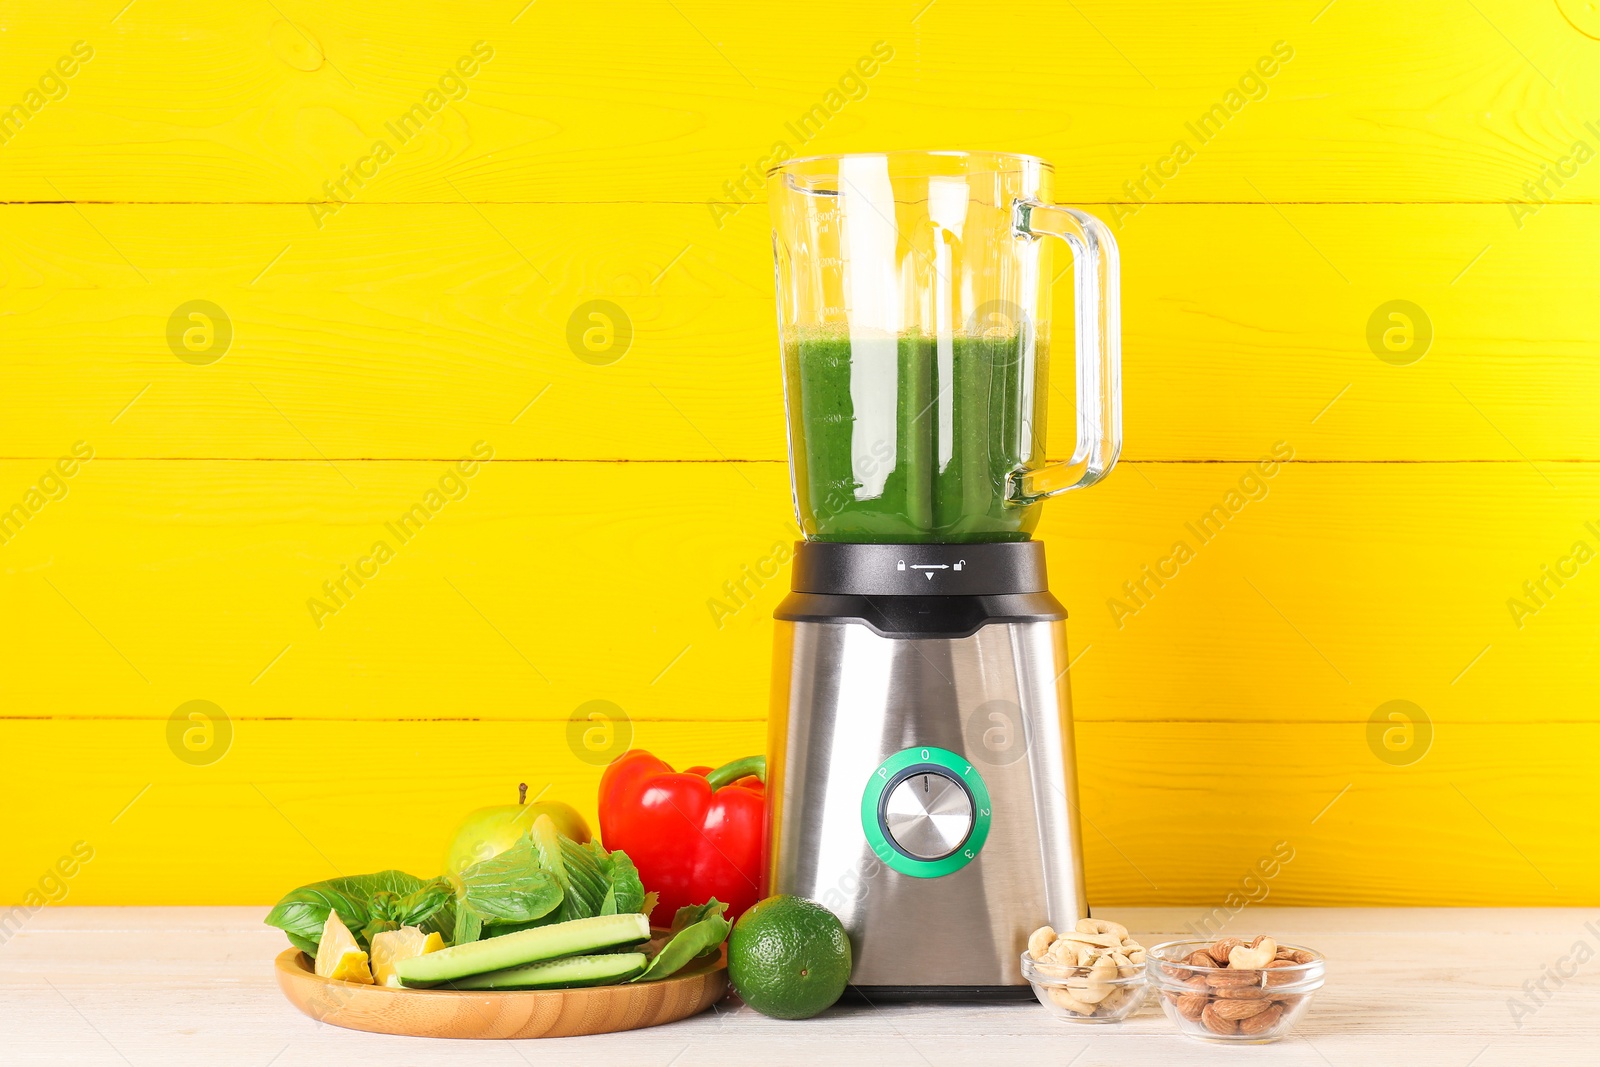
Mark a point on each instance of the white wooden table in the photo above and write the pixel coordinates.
(164, 986)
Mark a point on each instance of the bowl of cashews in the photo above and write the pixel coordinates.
(1092, 973)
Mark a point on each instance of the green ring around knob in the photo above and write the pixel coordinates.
(962, 770)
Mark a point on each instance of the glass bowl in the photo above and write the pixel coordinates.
(1084, 995)
(1243, 1005)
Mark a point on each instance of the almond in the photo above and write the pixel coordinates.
(1260, 1024)
(1216, 1023)
(1201, 958)
(1281, 979)
(1220, 950)
(1240, 1009)
(1190, 1005)
(1227, 979)
(1242, 992)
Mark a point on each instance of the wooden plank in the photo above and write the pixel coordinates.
(1339, 588)
(408, 331)
(1172, 813)
(293, 801)
(185, 102)
(184, 983)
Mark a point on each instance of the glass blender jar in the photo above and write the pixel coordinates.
(920, 764)
(914, 319)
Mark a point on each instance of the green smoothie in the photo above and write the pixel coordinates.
(896, 442)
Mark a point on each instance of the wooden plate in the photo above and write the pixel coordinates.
(504, 1014)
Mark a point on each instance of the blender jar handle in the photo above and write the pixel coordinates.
(1098, 316)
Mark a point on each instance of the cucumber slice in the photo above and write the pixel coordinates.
(523, 947)
(566, 973)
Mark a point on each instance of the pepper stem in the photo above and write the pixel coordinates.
(522, 793)
(739, 768)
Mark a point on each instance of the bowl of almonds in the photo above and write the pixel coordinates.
(1092, 973)
(1235, 990)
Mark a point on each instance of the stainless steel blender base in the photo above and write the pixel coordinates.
(847, 702)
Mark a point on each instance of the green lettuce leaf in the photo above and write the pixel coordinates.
(596, 882)
(511, 889)
(625, 893)
(468, 926)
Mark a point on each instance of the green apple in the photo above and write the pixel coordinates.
(488, 832)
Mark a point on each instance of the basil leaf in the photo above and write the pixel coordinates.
(302, 912)
(696, 931)
(373, 929)
(430, 908)
(687, 916)
(381, 905)
(308, 947)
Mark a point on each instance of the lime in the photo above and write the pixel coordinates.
(788, 957)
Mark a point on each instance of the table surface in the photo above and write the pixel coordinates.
(135, 986)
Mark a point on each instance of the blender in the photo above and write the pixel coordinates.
(921, 774)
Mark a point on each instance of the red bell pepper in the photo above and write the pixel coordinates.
(693, 834)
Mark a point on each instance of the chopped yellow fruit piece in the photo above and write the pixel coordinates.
(391, 946)
(338, 956)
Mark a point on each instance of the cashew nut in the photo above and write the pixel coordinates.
(1102, 940)
(1064, 998)
(1095, 957)
(1063, 952)
(1096, 986)
(1102, 926)
(1245, 956)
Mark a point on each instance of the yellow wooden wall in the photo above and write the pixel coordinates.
(597, 155)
